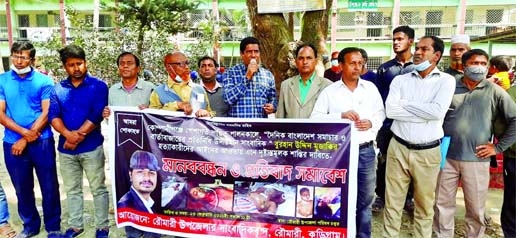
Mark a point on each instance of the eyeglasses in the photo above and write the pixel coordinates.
(181, 64)
(18, 57)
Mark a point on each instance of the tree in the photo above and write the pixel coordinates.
(276, 38)
(157, 15)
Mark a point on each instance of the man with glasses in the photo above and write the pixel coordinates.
(179, 93)
(29, 143)
(250, 90)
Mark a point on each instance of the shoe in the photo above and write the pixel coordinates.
(73, 232)
(378, 205)
(54, 234)
(26, 234)
(102, 233)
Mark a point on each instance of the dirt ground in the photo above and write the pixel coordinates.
(493, 209)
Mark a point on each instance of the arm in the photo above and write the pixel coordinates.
(322, 106)
(395, 102)
(507, 107)
(271, 94)
(378, 112)
(437, 108)
(28, 135)
(280, 110)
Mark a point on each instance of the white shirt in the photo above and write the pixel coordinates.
(364, 100)
(418, 105)
(148, 203)
(217, 85)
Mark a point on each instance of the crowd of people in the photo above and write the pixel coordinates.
(403, 109)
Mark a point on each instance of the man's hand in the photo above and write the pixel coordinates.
(30, 135)
(252, 68)
(69, 146)
(351, 115)
(268, 108)
(363, 125)
(75, 137)
(485, 151)
(143, 106)
(106, 112)
(186, 107)
(202, 113)
(19, 146)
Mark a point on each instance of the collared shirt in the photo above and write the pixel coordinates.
(23, 97)
(75, 105)
(247, 97)
(364, 100)
(184, 91)
(469, 121)
(216, 97)
(418, 105)
(217, 85)
(455, 73)
(140, 95)
(147, 203)
(303, 89)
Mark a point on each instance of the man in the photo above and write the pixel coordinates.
(508, 215)
(28, 141)
(402, 40)
(417, 103)
(367, 74)
(144, 176)
(179, 93)
(250, 89)
(76, 106)
(475, 103)
(459, 45)
(305, 204)
(299, 93)
(208, 74)
(335, 72)
(130, 91)
(357, 100)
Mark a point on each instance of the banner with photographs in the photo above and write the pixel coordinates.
(228, 177)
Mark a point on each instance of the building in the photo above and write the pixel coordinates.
(367, 26)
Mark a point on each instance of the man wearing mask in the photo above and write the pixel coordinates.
(250, 90)
(179, 93)
(459, 45)
(28, 142)
(417, 103)
(468, 156)
(208, 74)
(335, 72)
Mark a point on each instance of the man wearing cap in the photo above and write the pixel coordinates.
(459, 45)
(143, 172)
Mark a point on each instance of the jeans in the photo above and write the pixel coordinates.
(131, 232)
(4, 210)
(365, 194)
(72, 167)
(508, 216)
(39, 156)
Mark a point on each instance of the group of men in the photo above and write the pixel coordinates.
(407, 108)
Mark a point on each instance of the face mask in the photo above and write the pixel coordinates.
(334, 62)
(20, 71)
(475, 73)
(178, 79)
(422, 66)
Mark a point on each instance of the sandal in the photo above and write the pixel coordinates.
(6, 231)
(378, 204)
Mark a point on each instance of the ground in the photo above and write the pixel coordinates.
(493, 209)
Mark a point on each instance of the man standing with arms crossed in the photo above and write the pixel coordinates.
(28, 141)
(357, 100)
(76, 106)
(417, 103)
(402, 40)
(250, 90)
(299, 93)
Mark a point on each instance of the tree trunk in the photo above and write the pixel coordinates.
(272, 32)
(314, 28)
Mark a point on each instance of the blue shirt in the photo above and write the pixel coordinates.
(23, 97)
(246, 98)
(75, 105)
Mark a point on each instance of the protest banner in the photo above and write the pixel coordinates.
(228, 177)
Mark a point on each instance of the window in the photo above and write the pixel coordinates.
(346, 19)
(23, 21)
(409, 18)
(493, 16)
(41, 20)
(469, 19)
(374, 62)
(105, 20)
(374, 19)
(433, 18)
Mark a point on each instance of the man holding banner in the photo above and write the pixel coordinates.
(357, 100)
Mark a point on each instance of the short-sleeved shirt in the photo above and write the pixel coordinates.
(75, 105)
(140, 95)
(23, 97)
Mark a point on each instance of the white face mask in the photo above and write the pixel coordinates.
(20, 71)
(475, 73)
(423, 66)
(334, 63)
(178, 78)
